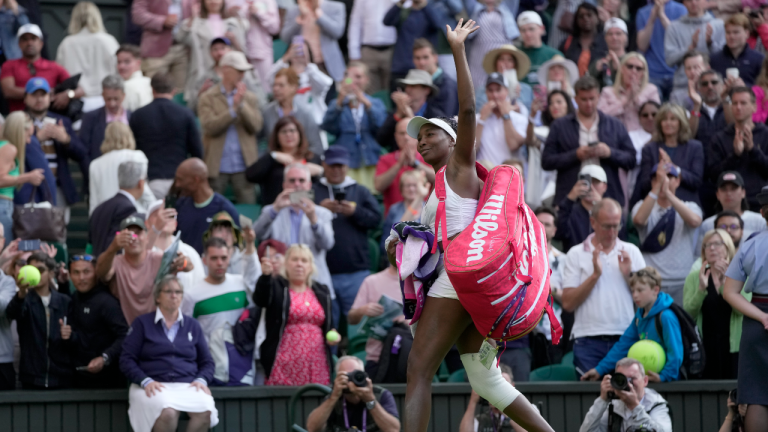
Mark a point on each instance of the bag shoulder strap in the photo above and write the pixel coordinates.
(659, 328)
(482, 174)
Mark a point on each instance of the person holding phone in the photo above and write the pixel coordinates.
(573, 213)
(737, 54)
(558, 73)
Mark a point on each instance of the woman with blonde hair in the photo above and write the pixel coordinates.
(719, 324)
(298, 316)
(670, 146)
(629, 92)
(119, 146)
(90, 51)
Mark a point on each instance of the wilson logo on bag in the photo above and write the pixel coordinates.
(499, 264)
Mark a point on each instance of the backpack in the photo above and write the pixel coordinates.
(499, 264)
(694, 358)
(393, 363)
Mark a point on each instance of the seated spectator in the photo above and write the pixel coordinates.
(294, 218)
(355, 119)
(742, 147)
(198, 203)
(88, 50)
(169, 371)
(241, 244)
(414, 190)
(475, 418)
(132, 275)
(322, 23)
(638, 407)
(19, 130)
(230, 119)
(586, 43)
(694, 64)
(641, 137)
(671, 146)
(39, 312)
(616, 38)
(357, 401)
(425, 58)
(573, 212)
(355, 212)
(167, 133)
(393, 165)
(532, 32)
(513, 65)
(284, 87)
(736, 54)
(138, 88)
(7, 293)
(629, 92)
(559, 73)
(496, 141)
(413, 101)
(653, 313)
(651, 23)
(264, 23)
(160, 53)
(419, 20)
(288, 144)
(13, 17)
(217, 302)
(731, 196)
(95, 122)
(16, 73)
(95, 329)
(595, 286)
(295, 351)
(719, 324)
(107, 216)
(667, 226)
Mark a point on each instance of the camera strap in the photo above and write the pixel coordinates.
(346, 417)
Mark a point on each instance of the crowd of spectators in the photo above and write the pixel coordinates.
(642, 143)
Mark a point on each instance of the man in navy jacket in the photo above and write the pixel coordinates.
(95, 122)
(588, 137)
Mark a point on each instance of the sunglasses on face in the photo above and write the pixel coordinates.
(634, 67)
(709, 83)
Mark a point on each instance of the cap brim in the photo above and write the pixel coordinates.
(416, 123)
(337, 161)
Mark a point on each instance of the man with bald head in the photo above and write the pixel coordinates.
(596, 288)
(197, 203)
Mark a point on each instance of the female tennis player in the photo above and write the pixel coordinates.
(444, 321)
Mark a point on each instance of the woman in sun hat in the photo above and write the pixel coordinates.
(559, 73)
(514, 65)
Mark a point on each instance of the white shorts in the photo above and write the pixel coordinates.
(442, 288)
(143, 411)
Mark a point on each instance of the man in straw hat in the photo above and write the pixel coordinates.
(531, 31)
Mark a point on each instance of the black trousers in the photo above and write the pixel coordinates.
(7, 376)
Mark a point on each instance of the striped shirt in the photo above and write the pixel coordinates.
(490, 36)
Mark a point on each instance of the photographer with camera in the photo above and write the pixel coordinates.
(481, 416)
(573, 226)
(624, 399)
(354, 404)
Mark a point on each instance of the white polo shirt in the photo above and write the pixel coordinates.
(493, 144)
(608, 310)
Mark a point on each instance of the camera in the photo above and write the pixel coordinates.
(358, 378)
(620, 382)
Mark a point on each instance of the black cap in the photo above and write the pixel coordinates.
(223, 40)
(730, 177)
(133, 220)
(496, 78)
(762, 197)
(336, 155)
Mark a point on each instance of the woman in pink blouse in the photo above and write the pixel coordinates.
(264, 22)
(630, 91)
(761, 94)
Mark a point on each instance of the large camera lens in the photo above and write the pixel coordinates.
(619, 381)
(358, 378)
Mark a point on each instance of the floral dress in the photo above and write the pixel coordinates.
(301, 357)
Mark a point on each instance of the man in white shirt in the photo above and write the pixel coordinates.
(371, 42)
(595, 286)
(500, 130)
(138, 91)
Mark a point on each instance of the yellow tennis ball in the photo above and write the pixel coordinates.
(333, 336)
(650, 354)
(29, 275)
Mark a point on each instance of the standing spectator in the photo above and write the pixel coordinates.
(652, 21)
(321, 23)
(641, 137)
(392, 165)
(667, 227)
(500, 131)
(285, 86)
(421, 20)
(7, 293)
(741, 147)
(556, 258)
(95, 122)
(138, 88)
(671, 146)
(355, 120)
(736, 53)
(531, 32)
(355, 212)
(96, 327)
(631, 90)
(166, 132)
(241, 260)
(697, 31)
(567, 148)
(562, 21)
(288, 144)
(89, 51)
(169, 371)
(513, 65)
(16, 73)
(264, 23)
(103, 172)
(761, 90)
(587, 43)
(12, 17)
(230, 119)
(371, 41)
(159, 21)
(573, 212)
(694, 64)
(425, 58)
(298, 316)
(707, 117)
(720, 325)
(39, 312)
(595, 286)
(616, 38)
(198, 202)
(731, 223)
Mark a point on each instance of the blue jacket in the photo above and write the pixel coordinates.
(645, 328)
(363, 150)
(508, 19)
(411, 25)
(34, 158)
(92, 131)
(9, 25)
(689, 156)
(147, 352)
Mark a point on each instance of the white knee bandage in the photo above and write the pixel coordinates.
(489, 384)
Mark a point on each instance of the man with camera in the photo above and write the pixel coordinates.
(573, 225)
(354, 404)
(625, 400)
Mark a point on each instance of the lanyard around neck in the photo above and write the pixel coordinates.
(346, 418)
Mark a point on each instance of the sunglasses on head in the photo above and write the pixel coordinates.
(646, 273)
(86, 258)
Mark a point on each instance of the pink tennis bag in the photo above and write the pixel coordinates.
(499, 264)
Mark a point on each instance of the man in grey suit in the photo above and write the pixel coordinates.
(322, 23)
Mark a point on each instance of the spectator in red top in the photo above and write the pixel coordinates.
(392, 165)
(16, 73)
